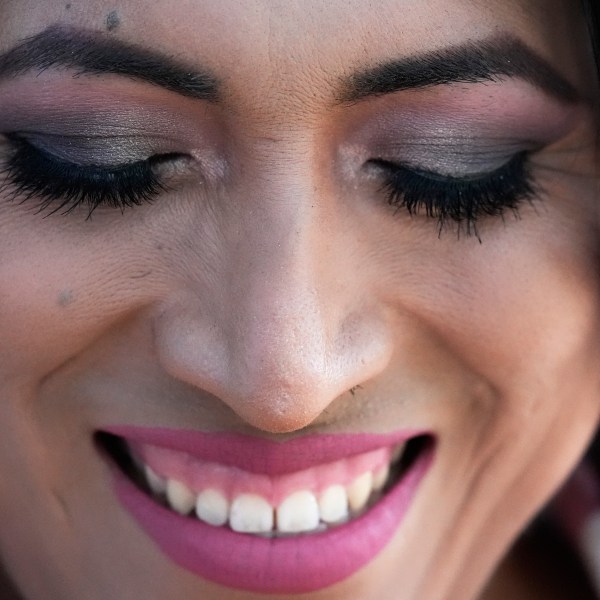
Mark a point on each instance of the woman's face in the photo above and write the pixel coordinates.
(300, 287)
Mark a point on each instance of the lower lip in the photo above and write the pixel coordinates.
(294, 565)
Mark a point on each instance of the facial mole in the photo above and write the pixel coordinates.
(113, 20)
(65, 298)
(68, 6)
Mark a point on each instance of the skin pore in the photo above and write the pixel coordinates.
(271, 276)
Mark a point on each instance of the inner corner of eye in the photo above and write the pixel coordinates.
(171, 163)
(378, 164)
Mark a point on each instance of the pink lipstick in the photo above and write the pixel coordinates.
(274, 557)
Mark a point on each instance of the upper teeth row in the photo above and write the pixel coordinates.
(301, 511)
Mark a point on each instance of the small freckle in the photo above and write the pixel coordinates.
(66, 297)
(113, 21)
(68, 6)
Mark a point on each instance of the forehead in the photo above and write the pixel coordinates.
(300, 47)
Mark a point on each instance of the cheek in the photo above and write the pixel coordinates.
(57, 293)
(37, 311)
(519, 309)
(518, 313)
(530, 326)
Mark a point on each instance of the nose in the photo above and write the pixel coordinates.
(289, 322)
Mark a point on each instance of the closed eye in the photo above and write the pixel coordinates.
(62, 186)
(463, 200)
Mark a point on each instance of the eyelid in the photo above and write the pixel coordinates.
(438, 175)
(445, 170)
(457, 157)
(61, 186)
(85, 151)
(463, 201)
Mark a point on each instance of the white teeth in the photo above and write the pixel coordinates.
(301, 511)
(359, 491)
(380, 478)
(157, 484)
(251, 514)
(212, 507)
(333, 504)
(180, 497)
(298, 512)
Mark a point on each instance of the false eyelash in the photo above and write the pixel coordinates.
(34, 173)
(463, 200)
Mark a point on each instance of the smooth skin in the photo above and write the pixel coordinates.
(272, 277)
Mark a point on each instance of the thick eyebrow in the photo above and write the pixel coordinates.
(474, 62)
(93, 52)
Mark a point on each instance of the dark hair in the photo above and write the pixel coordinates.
(592, 13)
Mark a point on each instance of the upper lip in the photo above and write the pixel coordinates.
(257, 455)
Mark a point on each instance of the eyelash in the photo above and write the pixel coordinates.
(463, 200)
(62, 186)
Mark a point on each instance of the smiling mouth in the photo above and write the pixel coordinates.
(308, 501)
(285, 517)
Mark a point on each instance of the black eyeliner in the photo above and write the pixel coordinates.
(63, 186)
(462, 200)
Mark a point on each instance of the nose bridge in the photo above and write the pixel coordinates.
(289, 332)
(280, 262)
(283, 330)
(287, 350)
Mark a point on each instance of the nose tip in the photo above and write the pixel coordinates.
(283, 411)
(292, 374)
(278, 374)
(278, 378)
